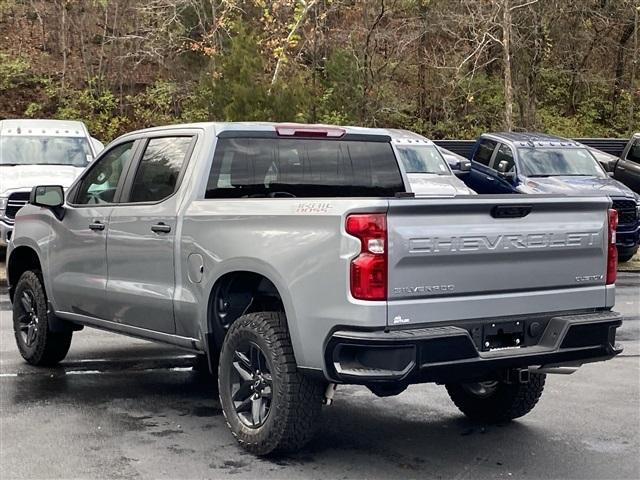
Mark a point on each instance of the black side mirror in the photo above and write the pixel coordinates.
(48, 196)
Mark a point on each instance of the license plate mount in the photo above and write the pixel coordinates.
(500, 335)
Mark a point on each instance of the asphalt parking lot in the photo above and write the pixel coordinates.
(124, 408)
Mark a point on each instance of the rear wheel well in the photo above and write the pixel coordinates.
(236, 294)
(21, 260)
(233, 295)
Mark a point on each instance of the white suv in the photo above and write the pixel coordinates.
(36, 152)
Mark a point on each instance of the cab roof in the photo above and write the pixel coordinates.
(219, 127)
(407, 137)
(62, 128)
(532, 139)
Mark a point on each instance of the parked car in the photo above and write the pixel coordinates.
(293, 258)
(627, 167)
(34, 152)
(539, 163)
(424, 165)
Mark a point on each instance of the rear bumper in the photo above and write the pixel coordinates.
(449, 354)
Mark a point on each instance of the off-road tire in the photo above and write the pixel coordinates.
(48, 348)
(296, 399)
(508, 400)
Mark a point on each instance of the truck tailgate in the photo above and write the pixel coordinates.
(493, 256)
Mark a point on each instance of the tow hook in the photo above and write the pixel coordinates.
(518, 375)
(329, 393)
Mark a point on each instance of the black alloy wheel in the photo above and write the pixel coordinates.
(268, 404)
(37, 343)
(28, 321)
(251, 385)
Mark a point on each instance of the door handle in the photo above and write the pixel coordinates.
(161, 227)
(490, 178)
(96, 226)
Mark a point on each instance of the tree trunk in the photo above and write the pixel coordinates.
(367, 62)
(634, 66)
(506, 59)
(287, 40)
(619, 68)
(422, 65)
(63, 43)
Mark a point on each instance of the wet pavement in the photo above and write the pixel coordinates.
(125, 408)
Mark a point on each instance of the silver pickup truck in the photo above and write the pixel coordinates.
(292, 259)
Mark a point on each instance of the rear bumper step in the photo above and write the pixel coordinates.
(449, 354)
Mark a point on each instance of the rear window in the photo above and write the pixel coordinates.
(283, 167)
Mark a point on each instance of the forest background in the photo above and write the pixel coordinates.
(444, 68)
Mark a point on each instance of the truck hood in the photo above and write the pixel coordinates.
(574, 185)
(24, 177)
(428, 184)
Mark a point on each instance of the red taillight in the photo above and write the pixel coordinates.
(369, 268)
(612, 251)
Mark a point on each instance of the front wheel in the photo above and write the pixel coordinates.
(497, 401)
(37, 344)
(268, 404)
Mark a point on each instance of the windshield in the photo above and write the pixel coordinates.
(549, 162)
(25, 150)
(422, 159)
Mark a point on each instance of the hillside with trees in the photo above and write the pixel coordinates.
(446, 68)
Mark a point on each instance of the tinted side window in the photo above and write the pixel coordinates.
(274, 167)
(159, 169)
(100, 184)
(634, 152)
(484, 151)
(504, 154)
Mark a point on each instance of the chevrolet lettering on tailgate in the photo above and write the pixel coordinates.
(474, 243)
